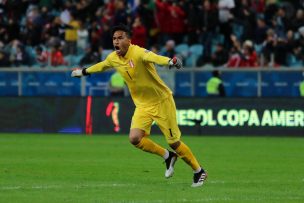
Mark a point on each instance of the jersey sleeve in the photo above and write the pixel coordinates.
(100, 67)
(149, 56)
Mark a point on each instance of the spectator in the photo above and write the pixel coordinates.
(53, 33)
(268, 47)
(42, 22)
(82, 9)
(276, 49)
(31, 34)
(258, 6)
(280, 22)
(139, 33)
(66, 9)
(121, 14)
(45, 17)
(248, 56)
(169, 49)
(280, 52)
(270, 11)
(42, 56)
(208, 23)
(220, 56)
(260, 31)
(155, 48)
(4, 62)
(177, 21)
(82, 37)
(246, 18)
(290, 41)
(242, 56)
(116, 85)
(3, 29)
(193, 25)
(18, 55)
(301, 88)
(171, 17)
(226, 18)
(299, 48)
(57, 58)
(145, 12)
(298, 21)
(90, 57)
(13, 30)
(214, 86)
(162, 16)
(71, 36)
(106, 37)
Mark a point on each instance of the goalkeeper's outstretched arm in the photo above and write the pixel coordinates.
(163, 60)
(99, 67)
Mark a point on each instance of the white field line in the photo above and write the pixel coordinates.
(41, 187)
(79, 186)
(117, 185)
(209, 199)
(174, 201)
(242, 181)
(46, 187)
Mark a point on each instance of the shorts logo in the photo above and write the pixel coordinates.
(131, 64)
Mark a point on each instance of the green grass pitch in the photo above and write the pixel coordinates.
(67, 168)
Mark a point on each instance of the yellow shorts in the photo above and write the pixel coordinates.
(164, 114)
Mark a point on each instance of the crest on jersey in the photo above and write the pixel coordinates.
(131, 64)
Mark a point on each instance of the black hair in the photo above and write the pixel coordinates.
(216, 73)
(121, 27)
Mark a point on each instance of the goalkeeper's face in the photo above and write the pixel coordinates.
(121, 42)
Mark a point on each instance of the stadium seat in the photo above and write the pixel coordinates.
(77, 59)
(30, 51)
(105, 53)
(68, 59)
(292, 61)
(195, 51)
(162, 49)
(182, 49)
(218, 38)
(258, 48)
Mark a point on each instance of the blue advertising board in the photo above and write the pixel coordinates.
(276, 84)
(8, 84)
(49, 84)
(183, 83)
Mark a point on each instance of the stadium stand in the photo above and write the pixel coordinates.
(275, 30)
(44, 24)
(195, 51)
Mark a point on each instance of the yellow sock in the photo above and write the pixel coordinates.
(185, 153)
(148, 145)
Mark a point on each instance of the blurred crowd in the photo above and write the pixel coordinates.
(231, 33)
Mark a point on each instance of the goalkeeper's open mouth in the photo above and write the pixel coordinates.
(117, 49)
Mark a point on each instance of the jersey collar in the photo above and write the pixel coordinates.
(129, 51)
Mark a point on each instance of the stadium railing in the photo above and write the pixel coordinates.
(241, 82)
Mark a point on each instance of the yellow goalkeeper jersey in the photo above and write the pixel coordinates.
(138, 70)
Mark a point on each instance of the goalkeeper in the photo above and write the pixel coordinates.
(152, 98)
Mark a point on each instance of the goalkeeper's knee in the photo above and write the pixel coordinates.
(135, 136)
